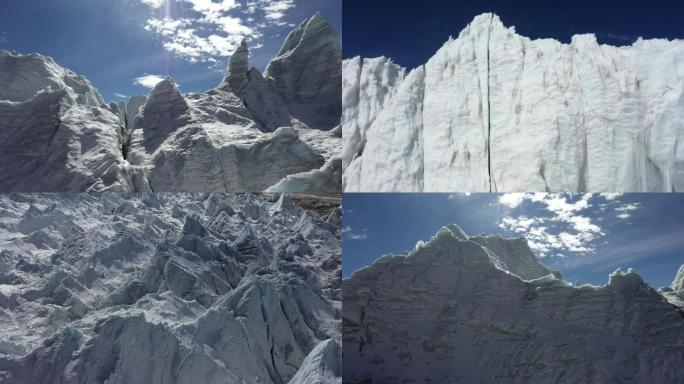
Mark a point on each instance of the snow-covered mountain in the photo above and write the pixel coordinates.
(250, 133)
(169, 288)
(496, 111)
(482, 309)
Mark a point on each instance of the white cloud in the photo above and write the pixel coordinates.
(154, 3)
(120, 95)
(512, 200)
(563, 224)
(148, 81)
(351, 234)
(610, 196)
(212, 30)
(625, 209)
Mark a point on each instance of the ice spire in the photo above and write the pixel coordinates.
(236, 75)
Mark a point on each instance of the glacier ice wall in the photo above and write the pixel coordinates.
(169, 288)
(248, 134)
(496, 111)
(482, 309)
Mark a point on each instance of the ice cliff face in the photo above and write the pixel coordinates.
(169, 288)
(496, 111)
(482, 309)
(311, 50)
(247, 134)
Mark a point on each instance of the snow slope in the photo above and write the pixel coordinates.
(496, 111)
(247, 134)
(482, 309)
(168, 288)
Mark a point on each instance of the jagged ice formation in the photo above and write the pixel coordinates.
(247, 134)
(169, 288)
(493, 111)
(482, 309)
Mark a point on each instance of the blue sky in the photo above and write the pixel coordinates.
(411, 32)
(115, 42)
(586, 237)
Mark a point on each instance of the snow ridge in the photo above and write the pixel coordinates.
(565, 117)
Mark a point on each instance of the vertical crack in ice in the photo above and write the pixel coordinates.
(582, 183)
(489, 109)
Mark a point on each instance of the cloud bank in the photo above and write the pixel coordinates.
(206, 30)
(563, 223)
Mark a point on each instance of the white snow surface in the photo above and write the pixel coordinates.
(168, 288)
(58, 135)
(482, 309)
(496, 111)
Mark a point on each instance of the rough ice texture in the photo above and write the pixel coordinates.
(238, 66)
(308, 75)
(168, 288)
(23, 76)
(496, 111)
(323, 180)
(484, 310)
(58, 135)
(133, 110)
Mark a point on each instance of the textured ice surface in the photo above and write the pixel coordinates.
(168, 288)
(308, 75)
(482, 309)
(247, 134)
(496, 111)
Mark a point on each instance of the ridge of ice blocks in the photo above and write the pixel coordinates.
(496, 111)
(483, 309)
(58, 135)
(169, 288)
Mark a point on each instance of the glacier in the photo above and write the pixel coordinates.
(494, 111)
(483, 309)
(250, 133)
(170, 288)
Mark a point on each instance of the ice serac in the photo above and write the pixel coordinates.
(326, 180)
(238, 65)
(308, 75)
(23, 76)
(164, 111)
(566, 117)
(245, 135)
(481, 309)
(172, 288)
(133, 110)
(50, 144)
(323, 365)
(264, 102)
